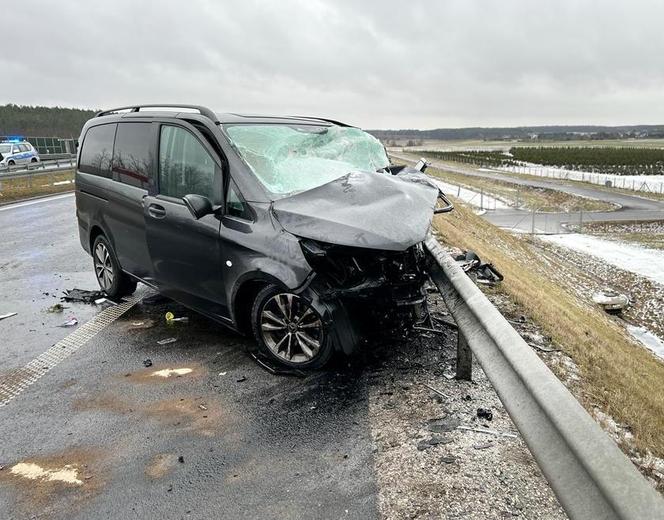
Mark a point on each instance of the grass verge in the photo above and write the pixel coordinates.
(35, 185)
(620, 377)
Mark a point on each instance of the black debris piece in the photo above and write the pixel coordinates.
(81, 295)
(484, 413)
(147, 363)
(273, 368)
(484, 273)
(181, 459)
(241, 379)
(448, 460)
(435, 440)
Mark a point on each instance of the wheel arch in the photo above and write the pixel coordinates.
(244, 293)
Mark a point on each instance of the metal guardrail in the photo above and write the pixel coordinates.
(15, 172)
(589, 474)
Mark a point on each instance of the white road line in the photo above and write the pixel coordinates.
(17, 380)
(35, 201)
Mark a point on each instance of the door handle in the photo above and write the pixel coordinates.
(156, 211)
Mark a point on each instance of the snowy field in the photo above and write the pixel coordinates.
(648, 263)
(648, 339)
(645, 183)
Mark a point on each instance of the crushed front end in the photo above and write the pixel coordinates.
(382, 291)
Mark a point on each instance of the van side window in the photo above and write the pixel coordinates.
(133, 154)
(235, 204)
(185, 166)
(97, 150)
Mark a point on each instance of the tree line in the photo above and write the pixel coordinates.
(42, 121)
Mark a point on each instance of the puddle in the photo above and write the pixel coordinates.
(168, 372)
(647, 339)
(67, 474)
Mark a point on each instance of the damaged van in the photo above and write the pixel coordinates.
(296, 230)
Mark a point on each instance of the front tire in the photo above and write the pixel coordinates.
(112, 280)
(289, 330)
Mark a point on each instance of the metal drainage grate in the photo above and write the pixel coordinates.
(14, 382)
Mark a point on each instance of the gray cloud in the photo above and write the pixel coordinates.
(384, 64)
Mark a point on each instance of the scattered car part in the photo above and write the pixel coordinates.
(8, 315)
(611, 301)
(82, 296)
(166, 341)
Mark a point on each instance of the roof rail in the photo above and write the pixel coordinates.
(338, 123)
(204, 111)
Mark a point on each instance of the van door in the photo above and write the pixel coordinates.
(133, 168)
(185, 252)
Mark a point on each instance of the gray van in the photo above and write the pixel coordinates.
(297, 230)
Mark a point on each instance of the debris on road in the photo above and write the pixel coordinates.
(166, 341)
(71, 322)
(441, 394)
(147, 363)
(82, 296)
(488, 431)
(484, 273)
(446, 424)
(484, 413)
(102, 301)
(181, 459)
(483, 446)
(611, 301)
(241, 379)
(273, 368)
(58, 307)
(8, 315)
(170, 318)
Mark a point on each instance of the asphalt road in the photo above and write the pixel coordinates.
(224, 439)
(630, 207)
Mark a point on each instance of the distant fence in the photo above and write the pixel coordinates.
(47, 145)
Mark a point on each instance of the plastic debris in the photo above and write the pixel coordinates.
(8, 315)
(102, 301)
(441, 394)
(181, 459)
(147, 363)
(170, 318)
(223, 373)
(611, 301)
(488, 431)
(484, 413)
(166, 341)
(71, 322)
(241, 379)
(58, 307)
(83, 296)
(202, 407)
(484, 273)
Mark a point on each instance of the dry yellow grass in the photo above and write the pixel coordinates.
(37, 184)
(625, 380)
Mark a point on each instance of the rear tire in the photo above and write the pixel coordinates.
(289, 330)
(112, 280)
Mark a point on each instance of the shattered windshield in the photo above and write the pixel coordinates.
(292, 158)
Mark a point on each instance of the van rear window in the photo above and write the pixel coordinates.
(97, 150)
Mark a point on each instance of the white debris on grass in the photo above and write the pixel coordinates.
(648, 263)
(648, 339)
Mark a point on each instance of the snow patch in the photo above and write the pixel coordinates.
(648, 339)
(648, 263)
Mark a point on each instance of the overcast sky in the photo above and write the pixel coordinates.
(383, 64)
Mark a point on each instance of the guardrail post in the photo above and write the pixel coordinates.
(464, 360)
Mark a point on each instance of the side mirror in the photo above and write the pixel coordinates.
(198, 205)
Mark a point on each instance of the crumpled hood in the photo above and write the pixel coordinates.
(361, 209)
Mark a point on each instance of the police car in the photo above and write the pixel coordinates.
(14, 153)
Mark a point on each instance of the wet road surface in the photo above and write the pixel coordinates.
(201, 433)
